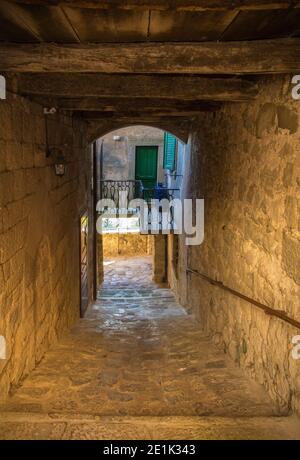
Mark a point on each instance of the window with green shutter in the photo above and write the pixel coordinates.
(170, 142)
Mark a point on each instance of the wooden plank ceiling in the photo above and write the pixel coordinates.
(85, 23)
(32, 21)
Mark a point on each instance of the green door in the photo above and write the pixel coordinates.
(146, 165)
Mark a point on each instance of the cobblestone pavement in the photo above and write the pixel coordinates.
(137, 366)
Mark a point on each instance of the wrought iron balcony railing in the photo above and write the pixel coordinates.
(110, 189)
(159, 193)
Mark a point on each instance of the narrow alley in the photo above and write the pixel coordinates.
(139, 360)
(149, 220)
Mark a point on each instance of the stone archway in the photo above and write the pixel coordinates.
(97, 129)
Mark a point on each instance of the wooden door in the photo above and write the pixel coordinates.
(84, 285)
(146, 165)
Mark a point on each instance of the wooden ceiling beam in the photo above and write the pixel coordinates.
(90, 104)
(135, 86)
(252, 57)
(185, 5)
(140, 119)
(95, 115)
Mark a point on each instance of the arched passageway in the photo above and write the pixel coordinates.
(221, 340)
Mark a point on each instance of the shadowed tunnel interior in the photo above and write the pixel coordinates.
(167, 340)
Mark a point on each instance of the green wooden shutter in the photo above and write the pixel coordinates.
(169, 151)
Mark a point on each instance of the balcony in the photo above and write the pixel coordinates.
(112, 190)
(159, 193)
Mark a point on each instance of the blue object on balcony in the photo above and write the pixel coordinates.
(161, 191)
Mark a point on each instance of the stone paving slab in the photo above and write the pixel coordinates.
(33, 426)
(140, 357)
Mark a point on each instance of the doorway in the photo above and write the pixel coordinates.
(146, 165)
(84, 285)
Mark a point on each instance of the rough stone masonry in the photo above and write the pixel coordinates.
(39, 232)
(244, 160)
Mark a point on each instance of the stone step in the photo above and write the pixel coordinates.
(85, 426)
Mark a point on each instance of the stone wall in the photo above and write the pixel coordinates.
(245, 161)
(119, 155)
(125, 244)
(159, 251)
(39, 233)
